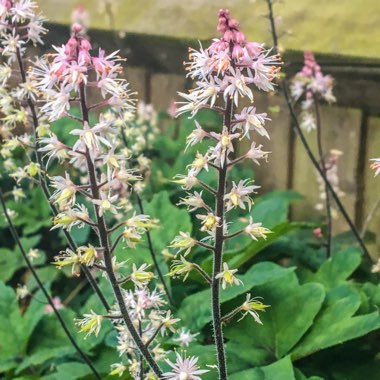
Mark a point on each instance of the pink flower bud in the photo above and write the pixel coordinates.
(221, 28)
(253, 49)
(85, 44)
(84, 57)
(240, 37)
(309, 94)
(7, 4)
(317, 232)
(237, 51)
(228, 36)
(307, 71)
(233, 23)
(72, 43)
(224, 13)
(76, 28)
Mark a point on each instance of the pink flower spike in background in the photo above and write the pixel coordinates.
(57, 304)
(308, 86)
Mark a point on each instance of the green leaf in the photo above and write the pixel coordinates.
(272, 209)
(195, 310)
(80, 235)
(15, 328)
(10, 261)
(238, 258)
(277, 336)
(336, 323)
(279, 370)
(33, 212)
(33, 314)
(70, 370)
(10, 320)
(44, 354)
(337, 268)
(50, 335)
(372, 295)
(46, 274)
(300, 376)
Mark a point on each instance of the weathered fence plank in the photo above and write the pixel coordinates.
(164, 89)
(340, 130)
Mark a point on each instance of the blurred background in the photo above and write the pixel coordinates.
(344, 35)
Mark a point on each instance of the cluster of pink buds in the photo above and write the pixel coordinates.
(61, 78)
(310, 85)
(228, 67)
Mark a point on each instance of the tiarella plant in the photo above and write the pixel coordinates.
(226, 74)
(310, 87)
(99, 196)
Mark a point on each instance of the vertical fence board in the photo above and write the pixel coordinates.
(164, 89)
(272, 174)
(372, 185)
(137, 78)
(340, 130)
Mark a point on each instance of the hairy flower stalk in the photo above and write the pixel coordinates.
(310, 87)
(227, 69)
(24, 25)
(104, 241)
(64, 78)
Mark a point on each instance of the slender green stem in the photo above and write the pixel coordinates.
(226, 318)
(204, 245)
(202, 272)
(209, 188)
(234, 234)
(44, 290)
(153, 337)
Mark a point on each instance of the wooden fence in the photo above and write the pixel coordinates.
(352, 125)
